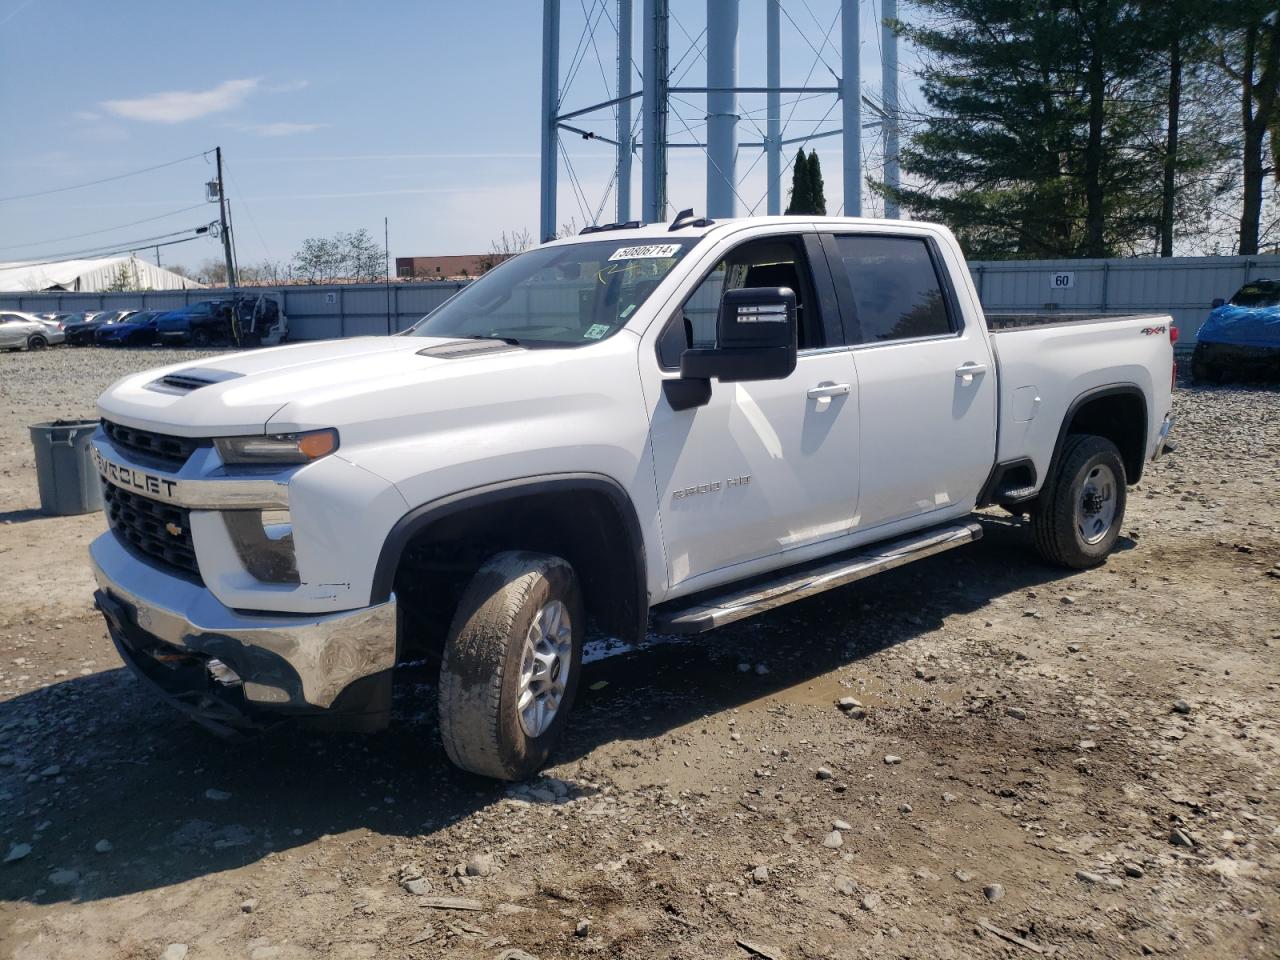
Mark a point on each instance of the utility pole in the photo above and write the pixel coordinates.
(222, 217)
(386, 253)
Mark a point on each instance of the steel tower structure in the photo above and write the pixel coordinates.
(722, 90)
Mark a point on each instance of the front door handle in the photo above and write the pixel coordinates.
(828, 390)
(967, 371)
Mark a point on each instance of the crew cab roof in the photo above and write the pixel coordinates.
(656, 232)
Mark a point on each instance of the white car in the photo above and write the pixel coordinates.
(53, 327)
(675, 425)
(19, 331)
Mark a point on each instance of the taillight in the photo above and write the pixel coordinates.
(1173, 333)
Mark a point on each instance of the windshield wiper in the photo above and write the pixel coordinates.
(476, 336)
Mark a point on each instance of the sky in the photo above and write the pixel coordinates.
(333, 115)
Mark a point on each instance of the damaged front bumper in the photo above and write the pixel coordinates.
(234, 671)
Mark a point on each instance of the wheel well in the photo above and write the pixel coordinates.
(589, 528)
(1120, 416)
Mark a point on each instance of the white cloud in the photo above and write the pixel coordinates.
(283, 128)
(175, 106)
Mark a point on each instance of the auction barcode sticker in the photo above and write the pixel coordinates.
(649, 250)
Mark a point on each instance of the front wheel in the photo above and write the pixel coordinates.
(1078, 515)
(511, 665)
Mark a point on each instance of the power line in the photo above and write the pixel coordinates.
(131, 249)
(92, 233)
(105, 250)
(93, 183)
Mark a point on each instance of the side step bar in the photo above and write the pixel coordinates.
(796, 583)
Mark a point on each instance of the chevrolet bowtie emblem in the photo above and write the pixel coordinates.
(173, 529)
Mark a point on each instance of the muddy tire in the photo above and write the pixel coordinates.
(511, 665)
(36, 342)
(1079, 513)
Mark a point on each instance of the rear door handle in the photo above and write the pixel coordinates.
(967, 371)
(828, 390)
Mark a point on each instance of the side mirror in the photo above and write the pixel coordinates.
(755, 338)
(1218, 302)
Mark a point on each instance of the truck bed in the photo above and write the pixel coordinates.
(1056, 358)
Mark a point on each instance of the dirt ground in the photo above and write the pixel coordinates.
(1041, 764)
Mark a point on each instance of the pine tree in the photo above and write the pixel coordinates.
(817, 191)
(1047, 129)
(801, 186)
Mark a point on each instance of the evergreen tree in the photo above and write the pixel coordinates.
(817, 191)
(1048, 127)
(801, 187)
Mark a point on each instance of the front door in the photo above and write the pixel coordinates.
(767, 466)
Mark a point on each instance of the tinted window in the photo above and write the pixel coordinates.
(895, 287)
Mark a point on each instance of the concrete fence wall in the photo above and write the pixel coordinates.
(1182, 286)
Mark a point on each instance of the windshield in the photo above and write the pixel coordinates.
(557, 296)
(1258, 295)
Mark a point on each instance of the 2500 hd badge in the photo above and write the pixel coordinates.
(131, 478)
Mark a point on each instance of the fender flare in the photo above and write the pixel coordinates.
(1122, 389)
(419, 518)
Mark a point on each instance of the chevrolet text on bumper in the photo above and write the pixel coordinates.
(677, 425)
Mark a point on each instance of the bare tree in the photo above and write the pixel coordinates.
(506, 247)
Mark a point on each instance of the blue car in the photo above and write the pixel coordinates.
(138, 330)
(1241, 338)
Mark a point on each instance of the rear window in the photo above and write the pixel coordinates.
(1264, 294)
(896, 290)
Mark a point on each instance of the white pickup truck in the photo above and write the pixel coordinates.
(667, 427)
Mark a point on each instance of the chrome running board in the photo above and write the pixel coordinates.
(796, 583)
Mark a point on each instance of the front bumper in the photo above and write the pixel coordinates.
(232, 670)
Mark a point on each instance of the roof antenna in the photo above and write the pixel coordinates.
(685, 218)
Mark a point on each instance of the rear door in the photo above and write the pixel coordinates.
(927, 381)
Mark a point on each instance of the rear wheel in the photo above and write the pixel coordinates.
(199, 337)
(511, 665)
(36, 342)
(1078, 515)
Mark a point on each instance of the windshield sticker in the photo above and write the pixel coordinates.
(648, 251)
(596, 331)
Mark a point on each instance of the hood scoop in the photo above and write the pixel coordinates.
(184, 381)
(458, 349)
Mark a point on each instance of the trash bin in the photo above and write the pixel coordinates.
(64, 467)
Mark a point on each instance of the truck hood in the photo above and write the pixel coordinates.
(239, 393)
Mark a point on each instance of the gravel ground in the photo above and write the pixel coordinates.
(1037, 763)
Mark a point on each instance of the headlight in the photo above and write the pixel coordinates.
(275, 448)
(264, 542)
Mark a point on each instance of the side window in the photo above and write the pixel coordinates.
(896, 290)
(772, 262)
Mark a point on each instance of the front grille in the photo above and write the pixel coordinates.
(159, 530)
(174, 451)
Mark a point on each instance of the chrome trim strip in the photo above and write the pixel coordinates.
(218, 493)
(791, 586)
